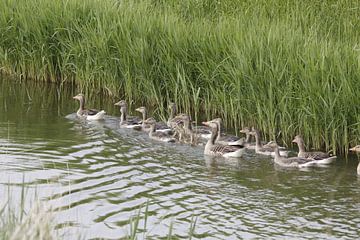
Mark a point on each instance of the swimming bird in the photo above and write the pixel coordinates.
(160, 126)
(324, 157)
(174, 122)
(247, 143)
(356, 149)
(89, 114)
(289, 162)
(125, 120)
(213, 149)
(185, 131)
(265, 150)
(159, 136)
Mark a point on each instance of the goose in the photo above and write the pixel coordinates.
(159, 136)
(174, 121)
(160, 126)
(289, 162)
(185, 131)
(213, 149)
(227, 139)
(171, 122)
(265, 150)
(247, 143)
(89, 114)
(356, 149)
(127, 121)
(325, 158)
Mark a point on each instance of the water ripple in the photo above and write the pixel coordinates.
(99, 176)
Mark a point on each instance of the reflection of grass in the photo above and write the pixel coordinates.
(136, 230)
(37, 224)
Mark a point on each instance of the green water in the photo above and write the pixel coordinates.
(97, 176)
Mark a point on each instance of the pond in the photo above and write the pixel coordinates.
(97, 177)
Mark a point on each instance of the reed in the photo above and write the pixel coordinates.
(17, 223)
(285, 66)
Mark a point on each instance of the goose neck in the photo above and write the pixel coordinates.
(258, 140)
(152, 129)
(248, 137)
(301, 146)
(82, 104)
(123, 115)
(277, 154)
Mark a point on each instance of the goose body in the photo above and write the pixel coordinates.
(213, 149)
(356, 149)
(127, 121)
(313, 155)
(88, 114)
(292, 161)
(265, 150)
(159, 136)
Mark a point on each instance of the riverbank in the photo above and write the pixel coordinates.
(285, 66)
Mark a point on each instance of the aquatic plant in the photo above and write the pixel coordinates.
(17, 222)
(285, 66)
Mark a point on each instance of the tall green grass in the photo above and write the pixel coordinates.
(285, 66)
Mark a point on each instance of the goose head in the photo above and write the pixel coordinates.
(271, 144)
(245, 130)
(141, 109)
(355, 149)
(212, 124)
(121, 103)
(79, 97)
(217, 120)
(298, 139)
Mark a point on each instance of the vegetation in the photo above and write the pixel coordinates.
(286, 66)
(16, 223)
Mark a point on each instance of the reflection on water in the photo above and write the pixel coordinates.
(97, 177)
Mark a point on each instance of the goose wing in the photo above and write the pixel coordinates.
(223, 149)
(202, 130)
(229, 138)
(161, 126)
(91, 112)
(316, 155)
(134, 119)
(298, 160)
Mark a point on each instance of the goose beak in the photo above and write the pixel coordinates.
(205, 123)
(353, 149)
(117, 104)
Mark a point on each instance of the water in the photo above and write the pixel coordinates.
(97, 177)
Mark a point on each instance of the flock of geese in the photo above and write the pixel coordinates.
(179, 128)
